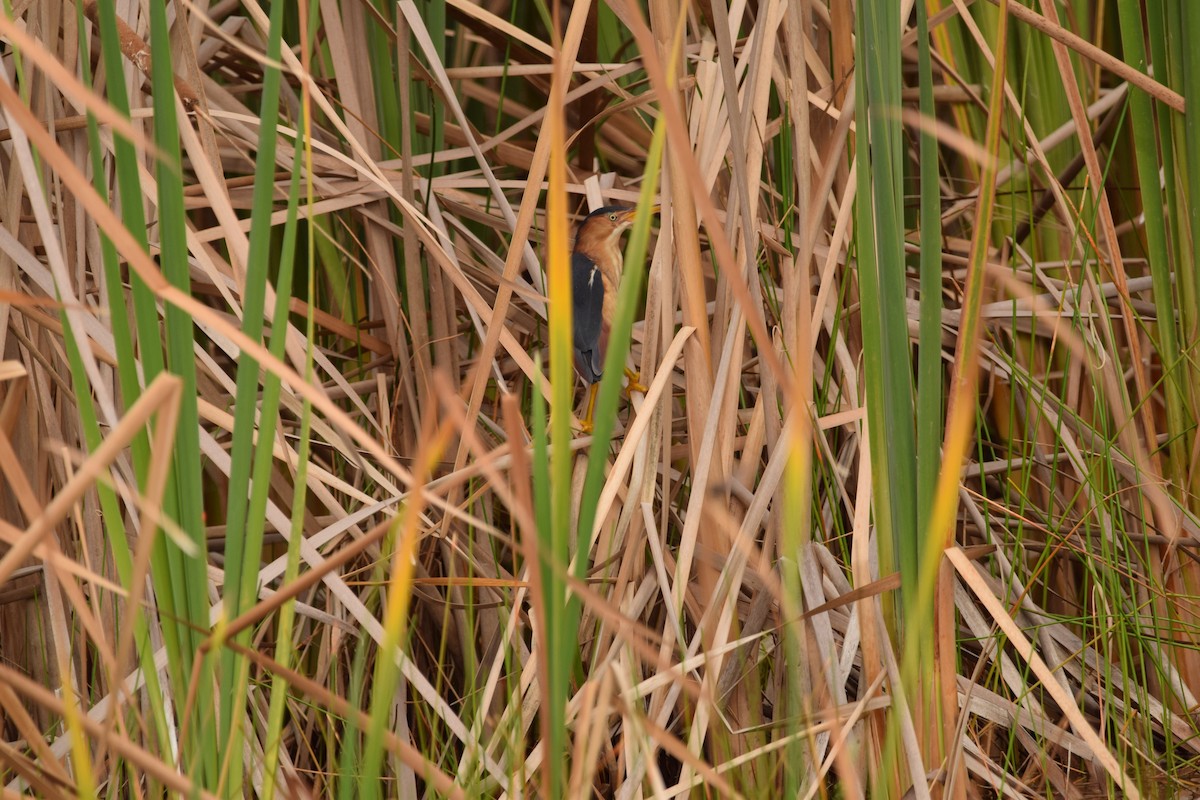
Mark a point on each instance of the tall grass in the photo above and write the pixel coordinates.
(295, 502)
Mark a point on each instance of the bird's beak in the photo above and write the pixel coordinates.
(632, 213)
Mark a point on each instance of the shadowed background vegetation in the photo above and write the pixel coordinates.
(294, 501)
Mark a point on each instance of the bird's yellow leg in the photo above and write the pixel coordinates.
(586, 425)
(635, 382)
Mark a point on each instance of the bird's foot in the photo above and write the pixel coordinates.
(585, 424)
(635, 382)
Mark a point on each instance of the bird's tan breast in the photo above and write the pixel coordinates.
(610, 270)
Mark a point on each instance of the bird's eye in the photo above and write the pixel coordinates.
(613, 217)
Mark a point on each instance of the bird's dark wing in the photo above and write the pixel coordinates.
(588, 309)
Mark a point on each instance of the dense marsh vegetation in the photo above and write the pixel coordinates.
(294, 500)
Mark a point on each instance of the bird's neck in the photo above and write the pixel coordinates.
(615, 258)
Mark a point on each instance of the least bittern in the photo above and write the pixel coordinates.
(596, 266)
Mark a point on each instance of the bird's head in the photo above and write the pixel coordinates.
(606, 223)
(604, 226)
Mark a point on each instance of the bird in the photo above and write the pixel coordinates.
(596, 266)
